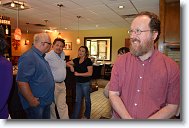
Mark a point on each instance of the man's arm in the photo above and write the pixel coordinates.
(166, 112)
(118, 105)
(25, 90)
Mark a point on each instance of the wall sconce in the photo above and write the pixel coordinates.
(27, 42)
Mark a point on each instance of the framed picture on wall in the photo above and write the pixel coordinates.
(68, 46)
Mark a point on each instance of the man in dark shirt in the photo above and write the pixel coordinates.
(35, 79)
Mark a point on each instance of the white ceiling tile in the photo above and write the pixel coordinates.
(104, 13)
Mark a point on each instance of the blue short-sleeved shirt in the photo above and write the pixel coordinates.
(34, 69)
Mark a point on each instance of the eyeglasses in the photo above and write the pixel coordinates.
(137, 31)
(49, 43)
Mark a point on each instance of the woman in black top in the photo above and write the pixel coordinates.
(83, 69)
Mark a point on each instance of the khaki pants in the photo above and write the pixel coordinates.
(60, 101)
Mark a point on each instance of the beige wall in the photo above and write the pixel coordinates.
(118, 40)
(22, 47)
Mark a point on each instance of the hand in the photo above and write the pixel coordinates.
(76, 73)
(72, 68)
(34, 102)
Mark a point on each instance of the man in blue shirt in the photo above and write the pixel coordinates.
(35, 79)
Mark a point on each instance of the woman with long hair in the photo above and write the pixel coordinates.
(83, 69)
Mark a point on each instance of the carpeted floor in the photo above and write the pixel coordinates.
(100, 106)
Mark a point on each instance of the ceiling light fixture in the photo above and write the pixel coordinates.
(46, 30)
(78, 41)
(22, 6)
(17, 4)
(120, 6)
(12, 4)
(27, 41)
(17, 32)
(60, 6)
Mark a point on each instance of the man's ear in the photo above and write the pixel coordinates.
(155, 34)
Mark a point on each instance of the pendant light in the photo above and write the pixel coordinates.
(78, 41)
(12, 4)
(46, 27)
(27, 41)
(60, 6)
(17, 32)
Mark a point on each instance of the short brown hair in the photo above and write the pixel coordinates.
(123, 50)
(59, 39)
(154, 22)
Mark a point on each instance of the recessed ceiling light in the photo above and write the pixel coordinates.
(120, 6)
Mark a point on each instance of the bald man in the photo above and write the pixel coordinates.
(35, 79)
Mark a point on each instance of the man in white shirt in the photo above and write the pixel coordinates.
(56, 60)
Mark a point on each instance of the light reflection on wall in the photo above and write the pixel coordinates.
(22, 47)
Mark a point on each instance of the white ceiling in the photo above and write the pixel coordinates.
(95, 14)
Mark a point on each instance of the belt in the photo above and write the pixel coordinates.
(59, 82)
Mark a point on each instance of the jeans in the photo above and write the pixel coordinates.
(82, 90)
(39, 112)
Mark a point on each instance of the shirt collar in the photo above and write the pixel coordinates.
(38, 52)
(151, 57)
(61, 55)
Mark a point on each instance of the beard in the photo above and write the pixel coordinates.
(139, 49)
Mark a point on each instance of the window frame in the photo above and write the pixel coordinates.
(97, 40)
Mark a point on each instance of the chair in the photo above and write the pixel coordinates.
(70, 90)
(67, 58)
(107, 71)
(96, 75)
